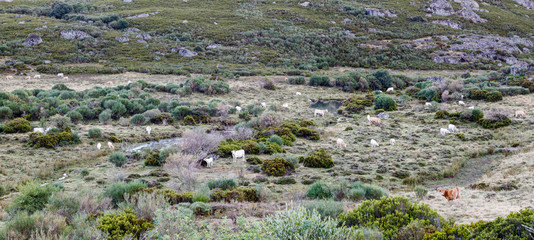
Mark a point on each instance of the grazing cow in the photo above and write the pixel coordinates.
(60, 75)
(520, 114)
(148, 129)
(444, 131)
(472, 107)
(451, 194)
(319, 112)
(264, 105)
(427, 104)
(37, 76)
(390, 89)
(40, 130)
(98, 146)
(237, 154)
(373, 120)
(111, 147)
(28, 77)
(392, 141)
(65, 78)
(298, 93)
(209, 162)
(452, 128)
(238, 109)
(374, 143)
(285, 105)
(9, 77)
(461, 103)
(341, 143)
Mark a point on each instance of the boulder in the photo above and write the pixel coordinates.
(122, 39)
(449, 23)
(528, 4)
(440, 7)
(187, 53)
(32, 40)
(74, 34)
(383, 115)
(213, 46)
(305, 4)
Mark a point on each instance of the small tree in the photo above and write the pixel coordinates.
(385, 102)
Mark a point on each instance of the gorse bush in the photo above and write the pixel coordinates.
(32, 197)
(17, 125)
(121, 224)
(154, 159)
(53, 139)
(277, 167)
(385, 102)
(494, 96)
(117, 158)
(318, 159)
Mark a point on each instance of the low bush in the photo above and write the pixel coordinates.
(117, 158)
(190, 120)
(254, 161)
(163, 118)
(53, 139)
(17, 125)
(362, 191)
(476, 114)
(138, 119)
(276, 139)
(268, 84)
(441, 114)
(286, 181)
(319, 81)
(5, 113)
(200, 208)
(240, 194)
(121, 224)
(297, 80)
(326, 208)
(32, 197)
(478, 94)
(494, 124)
(319, 190)
(223, 184)
(154, 159)
(494, 96)
(117, 191)
(420, 192)
(318, 159)
(308, 133)
(385, 102)
(95, 133)
(277, 167)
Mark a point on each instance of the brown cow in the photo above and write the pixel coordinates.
(451, 194)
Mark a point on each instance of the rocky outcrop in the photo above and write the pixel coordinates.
(142, 15)
(440, 7)
(519, 67)
(449, 23)
(32, 40)
(373, 12)
(143, 37)
(528, 4)
(74, 34)
(122, 39)
(213, 46)
(470, 15)
(187, 53)
(444, 8)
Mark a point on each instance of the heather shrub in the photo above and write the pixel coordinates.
(117, 158)
(308, 133)
(385, 102)
(118, 191)
(318, 159)
(277, 167)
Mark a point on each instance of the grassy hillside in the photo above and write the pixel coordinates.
(256, 36)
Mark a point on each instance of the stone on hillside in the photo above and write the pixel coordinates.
(528, 4)
(520, 66)
(470, 15)
(127, 1)
(304, 4)
(213, 46)
(449, 23)
(383, 115)
(440, 7)
(74, 34)
(187, 53)
(123, 39)
(32, 40)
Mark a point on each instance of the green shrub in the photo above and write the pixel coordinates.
(74, 116)
(117, 191)
(17, 125)
(138, 119)
(5, 113)
(319, 81)
(326, 208)
(494, 124)
(95, 133)
(121, 224)
(391, 214)
(154, 159)
(58, 10)
(478, 94)
(117, 158)
(254, 161)
(412, 91)
(32, 197)
(276, 139)
(476, 114)
(308, 133)
(349, 129)
(190, 120)
(163, 118)
(441, 114)
(494, 96)
(223, 184)
(53, 139)
(420, 192)
(22, 224)
(200, 208)
(277, 167)
(297, 80)
(385, 102)
(286, 181)
(105, 116)
(385, 79)
(269, 85)
(361, 191)
(240, 194)
(318, 159)
(319, 190)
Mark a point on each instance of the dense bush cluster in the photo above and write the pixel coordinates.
(385, 102)
(121, 224)
(240, 194)
(277, 167)
(17, 125)
(357, 104)
(53, 138)
(318, 159)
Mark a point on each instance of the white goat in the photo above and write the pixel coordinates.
(209, 162)
(390, 89)
(63, 177)
(444, 131)
(238, 109)
(148, 129)
(427, 104)
(40, 130)
(65, 78)
(373, 120)
(264, 105)
(129, 82)
(452, 128)
(319, 112)
(37, 76)
(111, 147)
(9, 77)
(461, 103)
(99, 146)
(520, 114)
(60, 75)
(47, 129)
(238, 154)
(341, 143)
(298, 93)
(472, 107)
(285, 105)
(392, 141)
(374, 143)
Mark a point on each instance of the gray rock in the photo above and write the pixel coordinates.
(127, 1)
(470, 15)
(383, 115)
(213, 46)
(74, 34)
(377, 13)
(187, 53)
(143, 36)
(47, 61)
(440, 7)
(305, 4)
(517, 68)
(32, 40)
(142, 15)
(449, 23)
(434, 79)
(528, 4)
(123, 39)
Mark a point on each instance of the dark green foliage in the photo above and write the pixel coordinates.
(384, 78)
(297, 80)
(412, 91)
(223, 184)
(190, 120)
(494, 96)
(254, 160)
(74, 116)
(119, 25)
(5, 113)
(95, 133)
(207, 87)
(494, 124)
(319, 81)
(138, 119)
(163, 118)
(441, 114)
(118, 225)
(53, 139)
(478, 94)
(240, 194)
(476, 114)
(349, 82)
(117, 158)
(276, 139)
(117, 191)
(17, 125)
(361, 191)
(154, 159)
(60, 9)
(277, 167)
(385, 102)
(200, 208)
(391, 214)
(326, 208)
(318, 159)
(357, 104)
(319, 190)
(32, 198)
(269, 85)
(286, 181)
(308, 133)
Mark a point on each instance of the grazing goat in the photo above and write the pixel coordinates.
(427, 104)
(461, 103)
(444, 131)
(60, 75)
(392, 141)
(9, 77)
(285, 105)
(520, 114)
(264, 105)
(390, 89)
(63, 177)
(452, 128)
(237, 154)
(111, 147)
(209, 162)
(65, 78)
(37, 76)
(40, 130)
(374, 143)
(99, 146)
(129, 82)
(341, 143)
(298, 93)
(28, 77)
(238, 109)
(148, 129)
(319, 112)
(373, 120)
(451, 194)
(472, 107)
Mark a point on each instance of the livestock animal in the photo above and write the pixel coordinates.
(209, 162)
(373, 120)
(238, 154)
(37, 76)
(374, 143)
(110, 83)
(148, 129)
(298, 93)
(111, 147)
(285, 105)
(452, 128)
(341, 143)
(129, 82)
(60, 75)
(264, 105)
(63, 177)
(392, 141)
(65, 78)
(47, 129)
(40, 130)
(286, 79)
(9, 77)
(444, 131)
(319, 112)
(238, 109)
(427, 104)
(472, 107)
(520, 114)
(390, 89)
(461, 103)
(450, 194)
(28, 77)
(98, 146)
